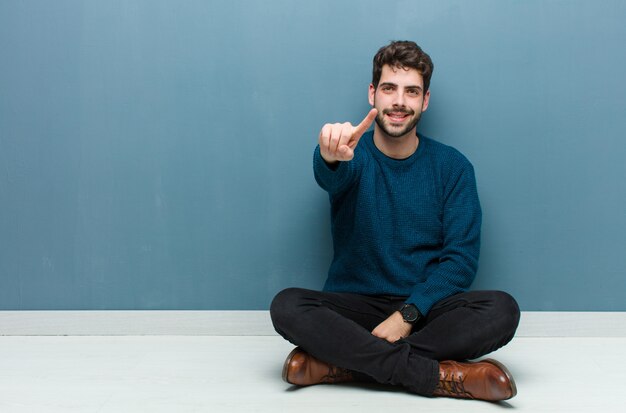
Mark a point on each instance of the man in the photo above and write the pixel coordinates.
(405, 220)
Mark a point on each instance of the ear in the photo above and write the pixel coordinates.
(370, 94)
(426, 100)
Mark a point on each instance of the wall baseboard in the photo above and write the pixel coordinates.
(258, 323)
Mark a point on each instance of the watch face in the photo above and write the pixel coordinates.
(409, 313)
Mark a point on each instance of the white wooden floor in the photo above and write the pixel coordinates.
(242, 374)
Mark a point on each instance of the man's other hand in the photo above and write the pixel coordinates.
(338, 140)
(393, 328)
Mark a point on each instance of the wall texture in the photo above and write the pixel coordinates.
(157, 154)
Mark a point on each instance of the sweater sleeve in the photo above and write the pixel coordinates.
(458, 260)
(335, 180)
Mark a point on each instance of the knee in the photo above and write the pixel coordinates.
(284, 306)
(508, 311)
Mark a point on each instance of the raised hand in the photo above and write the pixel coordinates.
(338, 140)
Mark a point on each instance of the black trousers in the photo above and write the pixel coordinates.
(336, 328)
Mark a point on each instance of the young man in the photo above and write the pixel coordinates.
(405, 220)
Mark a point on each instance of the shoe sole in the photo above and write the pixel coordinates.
(287, 362)
(507, 373)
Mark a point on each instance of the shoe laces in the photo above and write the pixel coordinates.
(336, 374)
(453, 385)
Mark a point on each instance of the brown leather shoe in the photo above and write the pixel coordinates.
(302, 369)
(484, 380)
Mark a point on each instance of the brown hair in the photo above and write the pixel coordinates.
(405, 55)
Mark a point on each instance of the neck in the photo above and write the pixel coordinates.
(396, 148)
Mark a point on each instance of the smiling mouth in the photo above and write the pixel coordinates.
(397, 117)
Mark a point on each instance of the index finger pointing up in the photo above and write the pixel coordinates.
(360, 129)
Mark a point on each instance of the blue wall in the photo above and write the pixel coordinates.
(157, 154)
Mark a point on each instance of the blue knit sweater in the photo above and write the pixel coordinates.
(408, 227)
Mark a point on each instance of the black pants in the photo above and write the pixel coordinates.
(336, 328)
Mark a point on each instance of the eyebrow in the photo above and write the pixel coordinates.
(395, 85)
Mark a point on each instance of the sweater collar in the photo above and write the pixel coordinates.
(396, 163)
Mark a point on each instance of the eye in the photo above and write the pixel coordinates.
(413, 92)
(386, 88)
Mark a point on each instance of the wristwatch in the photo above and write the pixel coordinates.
(410, 313)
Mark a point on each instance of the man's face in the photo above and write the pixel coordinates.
(400, 100)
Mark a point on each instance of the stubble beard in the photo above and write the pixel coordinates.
(397, 133)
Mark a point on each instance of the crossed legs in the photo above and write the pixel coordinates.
(336, 329)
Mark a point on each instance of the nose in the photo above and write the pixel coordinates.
(398, 99)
